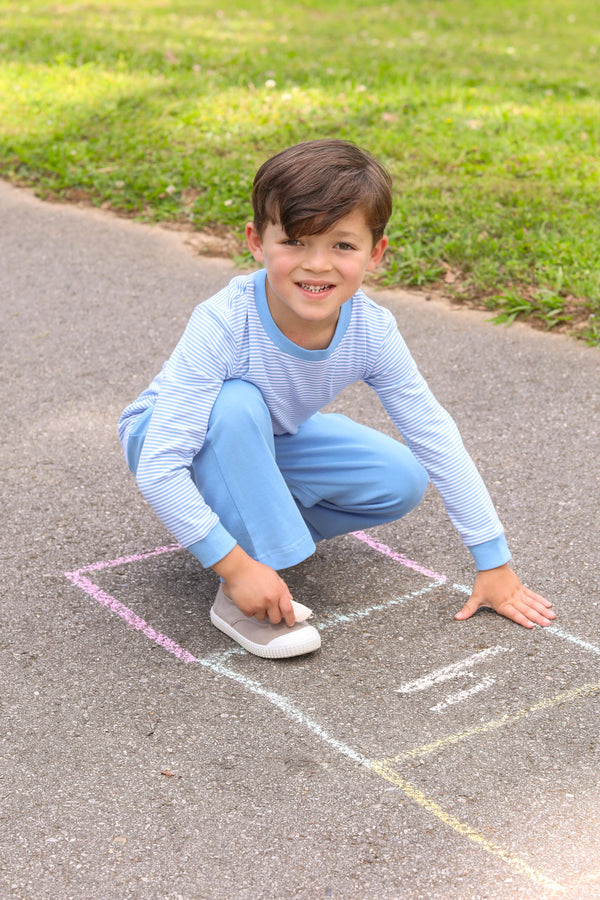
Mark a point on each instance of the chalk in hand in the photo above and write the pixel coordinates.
(301, 612)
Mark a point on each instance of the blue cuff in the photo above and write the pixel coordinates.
(491, 553)
(217, 544)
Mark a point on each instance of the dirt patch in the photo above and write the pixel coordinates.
(215, 240)
(224, 242)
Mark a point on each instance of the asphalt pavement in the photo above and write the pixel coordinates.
(144, 756)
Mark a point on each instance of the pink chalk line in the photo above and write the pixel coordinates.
(128, 616)
(123, 560)
(136, 622)
(397, 557)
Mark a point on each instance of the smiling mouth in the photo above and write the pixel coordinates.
(315, 288)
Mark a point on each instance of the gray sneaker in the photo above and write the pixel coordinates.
(261, 637)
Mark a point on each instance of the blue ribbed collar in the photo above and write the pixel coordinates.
(277, 336)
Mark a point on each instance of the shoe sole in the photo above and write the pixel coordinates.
(264, 650)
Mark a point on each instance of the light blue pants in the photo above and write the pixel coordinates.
(279, 494)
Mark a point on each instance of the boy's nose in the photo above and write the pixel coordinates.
(317, 260)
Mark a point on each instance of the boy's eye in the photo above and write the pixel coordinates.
(342, 245)
(291, 242)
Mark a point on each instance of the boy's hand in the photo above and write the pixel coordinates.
(501, 589)
(256, 589)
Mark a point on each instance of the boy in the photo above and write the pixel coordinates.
(228, 444)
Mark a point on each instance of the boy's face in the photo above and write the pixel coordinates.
(309, 278)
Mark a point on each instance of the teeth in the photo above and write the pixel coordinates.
(315, 289)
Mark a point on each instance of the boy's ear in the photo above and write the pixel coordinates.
(254, 242)
(377, 253)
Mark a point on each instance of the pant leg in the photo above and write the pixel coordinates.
(137, 436)
(278, 495)
(346, 476)
(237, 474)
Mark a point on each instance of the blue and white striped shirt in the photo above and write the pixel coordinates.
(232, 335)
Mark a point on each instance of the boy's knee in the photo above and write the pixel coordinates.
(418, 484)
(408, 483)
(239, 403)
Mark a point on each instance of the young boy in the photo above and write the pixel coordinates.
(228, 444)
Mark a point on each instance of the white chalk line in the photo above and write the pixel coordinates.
(486, 682)
(287, 707)
(336, 618)
(292, 711)
(447, 673)
(565, 635)
(555, 630)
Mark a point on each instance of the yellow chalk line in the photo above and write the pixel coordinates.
(425, 802)
(383, 768)
(379, 767)
(507, 719)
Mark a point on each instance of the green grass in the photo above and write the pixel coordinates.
(487, 114)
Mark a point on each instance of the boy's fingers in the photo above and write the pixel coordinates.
(527, 609)
(470, 607)
(287, 610)
(538, 597)
(538, 612)
(281, 609)
(541, 619)
(520, 618)
(275, 613)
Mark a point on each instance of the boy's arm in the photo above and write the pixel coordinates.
(501, 589)
(434, 439)
(255, 588)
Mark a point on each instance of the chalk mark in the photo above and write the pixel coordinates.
(463, 828)
(447, 673)
(132, 620)
(397, 557)
(125, 560)
(337, 618)
(583, 690)
(419, 797)
(486, 682)
(565, 635)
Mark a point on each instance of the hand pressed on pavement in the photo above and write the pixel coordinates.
(501, 589)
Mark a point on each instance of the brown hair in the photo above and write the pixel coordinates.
(309, 187)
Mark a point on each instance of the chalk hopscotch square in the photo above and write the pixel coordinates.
(433, 742)
(512, 780)
(485, 663)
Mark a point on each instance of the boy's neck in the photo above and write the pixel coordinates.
(312, 338)
(306, 334)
